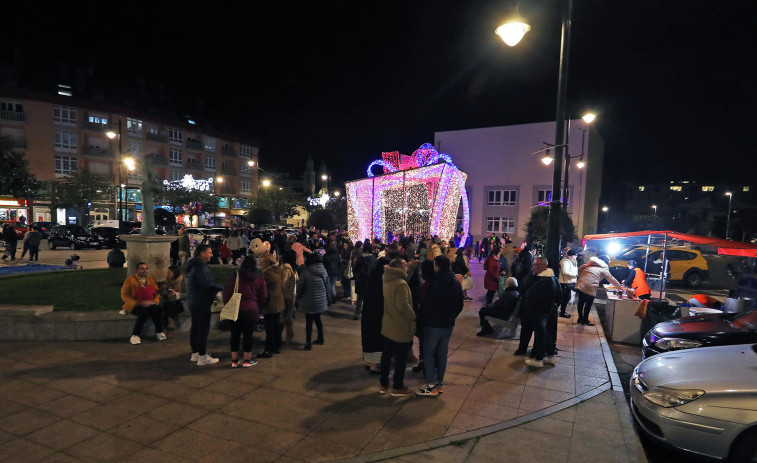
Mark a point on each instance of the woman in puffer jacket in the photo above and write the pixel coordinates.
(589, 276)
(312, 293)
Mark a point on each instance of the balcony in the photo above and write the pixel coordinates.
(105, 177)
(228, 152)
(159, 137)
(193, 166)
(13, 116)
(96, 152)
(17, 143)
(95, 126)
(194, 144)
(157, 160)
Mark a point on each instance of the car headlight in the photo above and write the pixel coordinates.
(675, 344)
(667, 397)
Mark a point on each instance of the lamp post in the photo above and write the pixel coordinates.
(219, 179)
(728, 221)
(112, 134)
(511, 32)
(654, 206)
(606, 210)
(588, 119)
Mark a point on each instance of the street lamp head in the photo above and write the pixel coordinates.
(266, 183)
(513, 30)
(605, 208)
(250, 163)
(219, 179)
(589, 117)
(728, 193)
(581, 164)
(336, 193)
(130, 163)
(547, 158)
(324, 177)
(111, 134)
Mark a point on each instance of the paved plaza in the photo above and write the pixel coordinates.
(111, 401)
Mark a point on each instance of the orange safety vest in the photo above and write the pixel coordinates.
(705, 300)
(639, 283)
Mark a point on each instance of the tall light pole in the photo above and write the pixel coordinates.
(606, 210)
(112, 134)
(219, 179)
(505, 31)
(588, 119)
(654, 206)
(728, 221)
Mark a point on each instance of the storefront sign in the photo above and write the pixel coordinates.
(12, 203)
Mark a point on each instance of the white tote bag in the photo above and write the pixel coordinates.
(230, 311)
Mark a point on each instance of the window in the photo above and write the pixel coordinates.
(501, 198)
(174, 157)
(641, 187)
(65, 165)
(98, 119)
(210, 162)
(11, 107)
(64, 114)
(708, 188)
(745, 188)
(245, 185)
(134, 176)
(680, 255)
(245, 151)
(210, 144)
(65, 140)
(174, 135)
(134, 148)
(134, 126)
(176, 174)
(676, 188)
(153, 131)
(543, 196)
(500, 224)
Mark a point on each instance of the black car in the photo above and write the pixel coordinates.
(109, 237)
(701, 331)
(43, 228)
(72, 236)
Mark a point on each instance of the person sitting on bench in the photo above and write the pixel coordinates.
(501, 309)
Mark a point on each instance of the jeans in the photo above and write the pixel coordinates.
(33, 252)
(332, 288)
(142, 314)
(399, 351)
(310, 318)
(566, 289)
(198, 333)
(242, 328)
(584, 306)
(272, 332)
(435, 347)
(346, 288)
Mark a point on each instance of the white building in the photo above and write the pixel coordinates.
(505, 180)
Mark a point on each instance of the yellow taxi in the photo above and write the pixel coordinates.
(686, 265)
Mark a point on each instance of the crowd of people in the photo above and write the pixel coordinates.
(409, 288)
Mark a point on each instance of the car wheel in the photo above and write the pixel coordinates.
(745, 448)
(50, 244)
(693, 278)
(75, 246)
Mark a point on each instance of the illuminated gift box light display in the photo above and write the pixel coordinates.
(419, 193)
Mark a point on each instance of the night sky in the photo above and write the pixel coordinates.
(673, 82)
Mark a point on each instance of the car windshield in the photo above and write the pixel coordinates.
(746, 321)
(79, 230)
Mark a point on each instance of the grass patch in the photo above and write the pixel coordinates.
(77, 290)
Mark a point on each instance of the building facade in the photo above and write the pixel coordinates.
(61, 135)
(505, 180)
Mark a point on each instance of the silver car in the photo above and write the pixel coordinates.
(700, 400)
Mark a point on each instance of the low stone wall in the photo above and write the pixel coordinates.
(37, 323)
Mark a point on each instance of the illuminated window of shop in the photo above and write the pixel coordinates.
(223, 202)
(676, 188)
(708, 188)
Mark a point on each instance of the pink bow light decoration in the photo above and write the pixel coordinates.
(393, 161)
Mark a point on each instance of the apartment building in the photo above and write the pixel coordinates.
(60, 134)
(505, 180)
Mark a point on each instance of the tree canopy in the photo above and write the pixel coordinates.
(536, 228)
(75, 191)
(281, 201)
(15, 180)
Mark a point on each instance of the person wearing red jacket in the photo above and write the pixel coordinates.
(491, 278)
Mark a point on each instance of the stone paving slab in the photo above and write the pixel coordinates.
(111, 401)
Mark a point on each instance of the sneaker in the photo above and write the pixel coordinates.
(206, 360)
(552, 359)
(135, 340)
(249, 363)
(565, 315)
(534, 363)
(161, 336)
(404, 392)
(427, 390)
(440, 388)
(383, 389)
(235, 364)
(122, 312)
(195, 357)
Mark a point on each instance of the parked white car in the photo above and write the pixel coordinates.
(700, 400)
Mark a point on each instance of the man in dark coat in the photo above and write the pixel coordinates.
(541, 297)
(201, 290)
